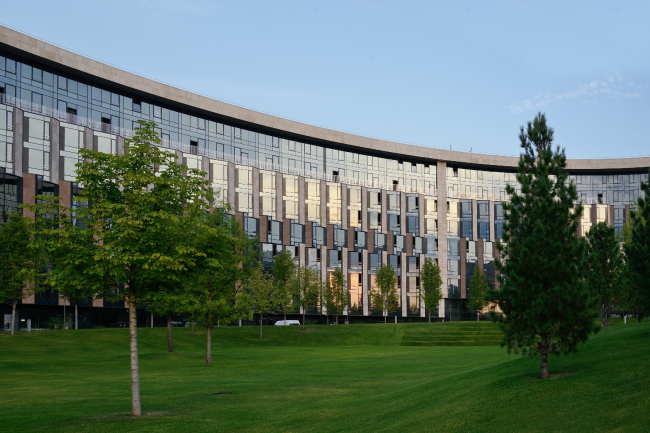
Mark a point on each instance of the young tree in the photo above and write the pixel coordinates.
(384, 297)
(605, 266)
(478, 288)
(141, 208)
(306, 287)
(284, 269)
(228, 256)
(336, 294)
(168, 302)
(20, 262)
(262, 293)
(431, 283)
(544, 300)
(638, 253)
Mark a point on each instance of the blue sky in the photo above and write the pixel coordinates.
(465, 74)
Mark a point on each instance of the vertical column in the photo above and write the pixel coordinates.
(232, 181)
(366, 281)
(323, 203)
(205, 165)
(421, 213)
(302, 211)
(474, 219)
(279, 202)
(120, 145)
(441, 180)
(491, 211)
(463, 268)
(344, 206)
(54, 151)
(364, 211)
(255, 192)
(88, 138)
(384, 216)
(403, 296)
(402, 212)
(18, 141)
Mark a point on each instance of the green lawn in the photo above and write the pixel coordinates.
(332, 378)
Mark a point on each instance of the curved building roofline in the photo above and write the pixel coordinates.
(67, 60)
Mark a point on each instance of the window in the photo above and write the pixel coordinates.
(360, 240)
(340, 238)
(394, 222)
(375, 260)
(380, 241)
(466, 229)
(319, 234)
(484, 230)
(483, 210)
(452, 247)
(413, 225)
(418, 244)
(452, 266)
(413, 264)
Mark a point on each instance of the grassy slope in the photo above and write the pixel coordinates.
(336, 378)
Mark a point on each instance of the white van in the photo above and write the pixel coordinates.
(287, 322)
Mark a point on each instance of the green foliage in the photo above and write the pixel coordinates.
(431, 292)
(227, 258)
(478, 288)
(21, 260)
(605, 266)
(545, 302)
(336, 294)
(306, 287)
(284, 270)
(140, 210)
(384, 297)
(637, 251)
(261, 289)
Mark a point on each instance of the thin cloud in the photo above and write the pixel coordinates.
(614, 87)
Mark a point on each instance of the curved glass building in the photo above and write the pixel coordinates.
(333, 199)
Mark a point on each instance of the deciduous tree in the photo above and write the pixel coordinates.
(545, 302)
(384, 297)
(306, 287)
(336, 294)
(262, 293)
(227, 257)
(478, 288)
(20, 262)
(142, 208)
(284, 269)
(431, 284)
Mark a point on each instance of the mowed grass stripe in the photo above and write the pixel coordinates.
(334, 378)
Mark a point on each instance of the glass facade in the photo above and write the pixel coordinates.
(329, 204)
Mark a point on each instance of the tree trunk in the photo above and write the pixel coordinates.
(304, 310)
(65, 325)
(515, 351)
(606, 314)
(336, 320)
(429, 316)
(261, 320)
(76, 317)
(136, 409)
(208, 351)
(385, 318)
(640, 317)
(152, 320)
(544, 354)
(192, 324)
(285, 319)
(478, 316)
(13, 315)
(601, 317)
(170, 347)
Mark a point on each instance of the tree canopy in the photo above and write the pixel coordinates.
(431, 292)
(546, 305)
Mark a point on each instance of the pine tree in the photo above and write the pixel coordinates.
(638, 253)
(605, 266)
(478, 288)
(546, 306)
